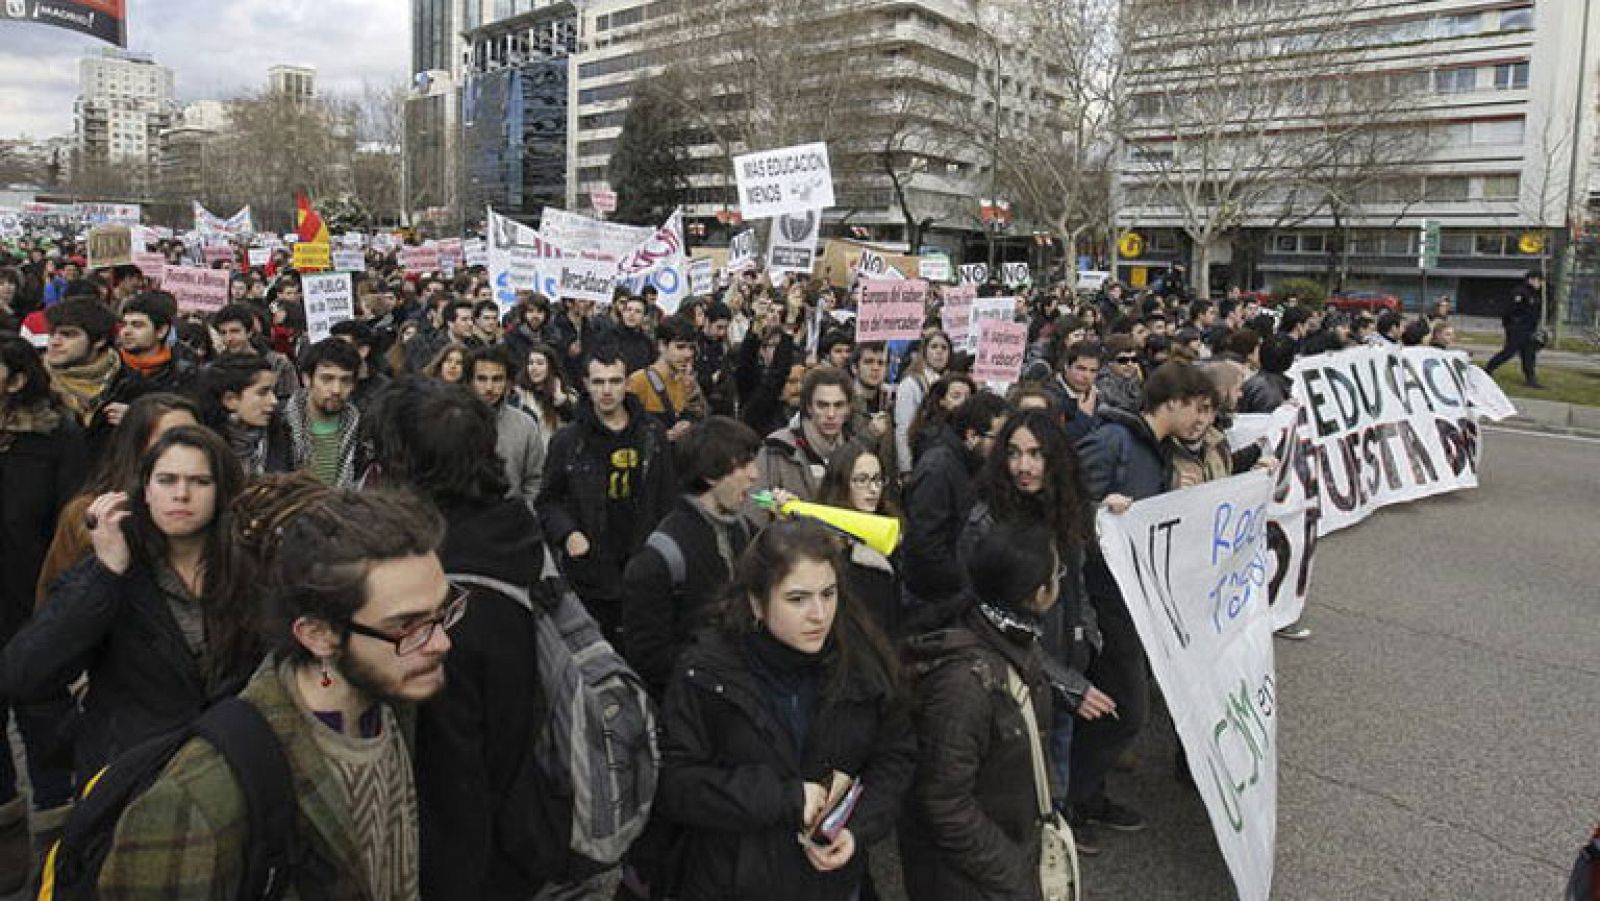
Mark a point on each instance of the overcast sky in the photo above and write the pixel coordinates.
(216, 49)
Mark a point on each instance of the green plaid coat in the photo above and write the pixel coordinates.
(184, 838)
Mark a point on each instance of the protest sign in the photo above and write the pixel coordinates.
(1192, 567)
(742, 251)
(196, 288)
(349, 261)
(109, 246)
(451, 252)
(586, 279)
(109, 213)
(520, 259)
(217, 253)
(658, 262)
(1001, 346)
(987, 309)
(974, 274)
(419, 260)
(258, 256)
(789, 180)
(581, 235)
(477, 251)
(208, 224)
(934, 268)
(351, 240)
(891, 310)
(312, 256)
(956, 314)
(701, 281)
(1015, 274)
(153, 265)
(1387, 425)
(872, 264)
(792, 246)
(328, 300)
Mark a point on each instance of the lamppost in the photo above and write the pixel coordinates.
(1569, 261)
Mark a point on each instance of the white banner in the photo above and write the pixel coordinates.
(742, 251)
(208, 224)
(586, 279)
(520, 260)
(1192, 566)
(659, 262)
(581, 236)
(329, 300)
(789, 180)
(792, 246)
(1387, 425)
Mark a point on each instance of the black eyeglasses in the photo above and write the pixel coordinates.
(1127, 359)
(417, 636)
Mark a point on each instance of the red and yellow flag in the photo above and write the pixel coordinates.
(307, 223)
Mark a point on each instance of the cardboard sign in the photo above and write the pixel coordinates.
(312, 257)
(891, 310)
(196, 288)
(110, 246)
(1001, 347)
(419, 260)
(789, 180)
(349, 261)
(329, 300)
(793, 243)
(1192, 566)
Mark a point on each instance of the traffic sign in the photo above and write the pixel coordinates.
(1428, 244)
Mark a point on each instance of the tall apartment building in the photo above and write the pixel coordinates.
(125, 104)
(1492, 113)
(514, 107)
(918, 49)
(293, 81)
(431, 167)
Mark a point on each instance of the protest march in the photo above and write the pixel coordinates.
(570, 560)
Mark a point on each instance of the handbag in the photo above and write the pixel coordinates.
(1059, 878)
(1540, 339)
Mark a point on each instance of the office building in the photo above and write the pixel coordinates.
(125, 104)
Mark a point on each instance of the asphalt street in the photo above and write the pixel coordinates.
(1440, 731)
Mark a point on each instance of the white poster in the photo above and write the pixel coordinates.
(520, 260)
(742, 251)
(792, 246)
(582, 236)
(872, 264)
(934, 268)
(477, 252)
(1192, 566)
(974, 273)
(329, 300)
(701, 280)
(986, 309)
(349, 260)
(659, 262)
(1016, 274)
(790, 180)
(586, 279)
(209, 224)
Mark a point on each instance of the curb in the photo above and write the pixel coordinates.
(1521, 424)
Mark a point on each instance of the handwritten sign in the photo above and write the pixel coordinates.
(587, 279)
(349, 261)
(891, 310)
(196, 288)
(987, 309)
(1001, 347)
(312, 256)
(956, 314)
(419, 260)
(789, 180)
(742, 251)
(153, 265)
(329, 301)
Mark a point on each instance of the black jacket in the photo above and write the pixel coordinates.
(731, 778)
(638, 349)
(1123, 457)
(520, 342)
(128, 385)
(478, 786)
(937, 499)
(971, 823)
(1522, 309)
(1265, 392)
(658, 616)
(761, 387)
(577, 496)
(142, 679)
(39, 472)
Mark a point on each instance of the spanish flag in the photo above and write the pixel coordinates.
(306, 221)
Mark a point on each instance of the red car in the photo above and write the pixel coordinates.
(1363, 301)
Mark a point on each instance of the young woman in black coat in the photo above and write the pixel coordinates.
(855, 480)
(971, 827)
(162, 616)
(793, 686)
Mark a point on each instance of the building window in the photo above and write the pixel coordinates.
(1455, 81)
(602, 94)
(1510, 76)
(1489, 244)
(1285, 244)
(1455, 244)
(1399, 244)
(1460, 26)
(1502, 187)
(1446, 188)
(1516, 19)
(1502, 131)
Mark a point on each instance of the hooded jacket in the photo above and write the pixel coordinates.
(732, 778)
(970, 830)
(42, 462)
(937, 499)
(1124, 457)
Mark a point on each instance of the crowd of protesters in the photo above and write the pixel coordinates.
(201, 505)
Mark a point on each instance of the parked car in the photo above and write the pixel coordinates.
(1363, 301)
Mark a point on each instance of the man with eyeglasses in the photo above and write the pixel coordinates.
(364, 610)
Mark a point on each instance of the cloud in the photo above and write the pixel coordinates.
(216, 48)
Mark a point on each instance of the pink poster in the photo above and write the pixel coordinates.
(891, 310)
(1001, 347)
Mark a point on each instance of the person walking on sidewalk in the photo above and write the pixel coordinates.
(1521, 320)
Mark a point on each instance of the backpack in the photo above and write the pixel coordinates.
(597, 747)
(236, 729)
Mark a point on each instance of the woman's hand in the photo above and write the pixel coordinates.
(834, 856)
(1096, 704)
(104, 522)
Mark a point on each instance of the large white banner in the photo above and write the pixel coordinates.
(581, 236)
(659, 262)
(520, 260)
(1192, 566)
(790, 180)
(208, 224)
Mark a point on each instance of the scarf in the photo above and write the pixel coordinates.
(820, 447)
(36, 419)
(150, 363)
(83, 387)
(1015, 625)
(300, 438)
(249, 444)
(723, 528)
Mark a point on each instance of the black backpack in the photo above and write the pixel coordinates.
(236, 729)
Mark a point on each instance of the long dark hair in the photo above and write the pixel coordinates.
(835, 487)
(228, 598)
(119, 466)
(438, 440)
(545, 394)
(1062, 504)
(229, 373)
(931, 415)
(21, 359)
(862, 652)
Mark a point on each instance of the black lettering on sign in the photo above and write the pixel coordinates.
(1319, 402)
(1423, 471)
(1460, 440)
(1371, 389)
(1344, 396)
(1430, 368)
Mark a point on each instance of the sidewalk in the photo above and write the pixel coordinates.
(1558, 417)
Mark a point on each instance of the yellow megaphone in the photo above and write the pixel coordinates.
(881, 533)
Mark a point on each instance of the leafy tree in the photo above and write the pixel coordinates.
(650, 168)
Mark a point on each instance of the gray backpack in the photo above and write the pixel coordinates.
(597, 747)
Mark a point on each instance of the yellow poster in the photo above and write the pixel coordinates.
(1140, 277)
(309, 257)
